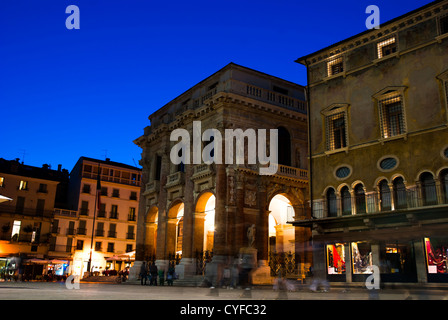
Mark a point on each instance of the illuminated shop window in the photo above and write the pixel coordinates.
(361, 257)
(336, 258)
(436, 255)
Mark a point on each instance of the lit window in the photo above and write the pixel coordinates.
(392, 117)
(336, 131)
(335, 66)
(23, 185)
(2, 180)
(386, 47)
(336, 258)
(16, 230)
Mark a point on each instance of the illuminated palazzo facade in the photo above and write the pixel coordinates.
(379, 154)
(197, 210)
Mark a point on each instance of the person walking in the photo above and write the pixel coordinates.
(153, 271)
(143, 273)
(170, 275)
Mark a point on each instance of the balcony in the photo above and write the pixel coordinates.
(152, 186)
(292, 172)
(65, 213)
(374, 203)
(175, 179)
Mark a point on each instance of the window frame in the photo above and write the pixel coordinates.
(331, 114)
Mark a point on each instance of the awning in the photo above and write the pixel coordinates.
(4, 199)
(36, 261)
(129, 256)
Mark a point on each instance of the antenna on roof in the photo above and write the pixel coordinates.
(105, 153)
(23, 151)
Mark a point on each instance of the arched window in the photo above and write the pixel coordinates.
(385, 198)
(400, 199)
(360, 199)
(429, 193)
(332, 207)
(346, 201)
(444, 185)
(284, 147)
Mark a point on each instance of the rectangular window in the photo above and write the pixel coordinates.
(110, 247)
(16, 230)
(40, 207)
(361, 257)
(336, 131)
(104, 191)
(99, 232)
(86, 188)
(131, 216)
(386, 47)
(392, 118)
(115, 193)
(443, 25)
(133, 195)
(336, 258)
(42, 188)
(2, 181)
(98, 246)
(130, 234)
(114, 212)
(23, 185)
(129, 248)
(20, 205)
(79, 244)
(84, 208)
(112, 230)
(335, 66)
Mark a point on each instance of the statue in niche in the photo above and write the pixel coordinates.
(251, 235)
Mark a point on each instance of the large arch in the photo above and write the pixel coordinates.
(174, 233)
(281, 233)
(151, 224)
(204, 222)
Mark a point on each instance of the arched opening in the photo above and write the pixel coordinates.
(429, 193)
(385, 199)
(175, 229)
(151, 223)
(284, 146)
(281, 233)
(444, 185)
(400, 198)
(360, 199)
(332, 208)
(346, 201)
(205, 222)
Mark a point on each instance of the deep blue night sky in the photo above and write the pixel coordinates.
(89, 92)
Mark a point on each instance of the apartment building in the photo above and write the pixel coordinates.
(104, 221)
(378, 131)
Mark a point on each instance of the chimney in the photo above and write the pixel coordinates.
(107, 159)
(59, 167)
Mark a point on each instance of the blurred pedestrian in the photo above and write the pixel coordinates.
(153, 271)
(143, 273)
(170, 275)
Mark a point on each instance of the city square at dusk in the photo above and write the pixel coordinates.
(242, 150)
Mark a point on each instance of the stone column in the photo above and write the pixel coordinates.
(420, 261)
(187, 266)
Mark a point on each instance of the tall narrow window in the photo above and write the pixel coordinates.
(346, 201)
(385, 199)
(444, 185)
(336, 131)
(23, 185)
(158, 168)
(392, 117)
(443, 24)
(429, 192)
(400, 194)
(332, 208)
(360, 199)
(284, 147)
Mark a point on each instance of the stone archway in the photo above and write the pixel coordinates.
(204, 227)
(151, 224)
(281, 233)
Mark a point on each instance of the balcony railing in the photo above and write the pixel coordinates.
(175, 178)
(65, 213)
(120, 180)
(412, 198)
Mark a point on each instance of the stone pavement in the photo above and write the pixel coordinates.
(134, 291)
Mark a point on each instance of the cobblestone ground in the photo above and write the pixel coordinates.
(102, 291)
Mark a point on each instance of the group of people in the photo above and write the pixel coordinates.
(153, 273)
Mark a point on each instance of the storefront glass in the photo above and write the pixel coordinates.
(336, 258)
(361, 257)
(436, 255)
